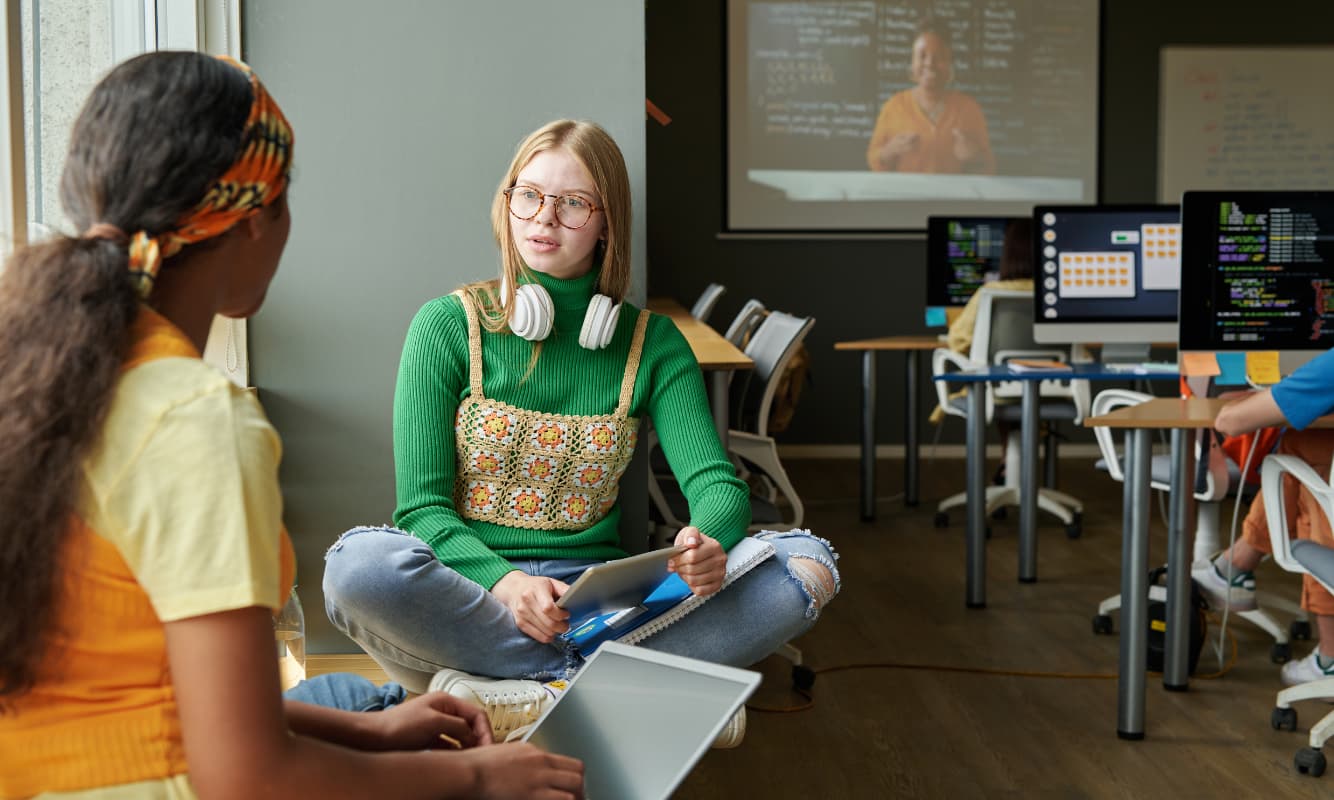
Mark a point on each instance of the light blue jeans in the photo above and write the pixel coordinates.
(347, 691)
(387, 591)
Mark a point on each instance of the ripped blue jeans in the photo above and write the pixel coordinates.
(387, 591)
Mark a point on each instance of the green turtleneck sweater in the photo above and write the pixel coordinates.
(567, 379)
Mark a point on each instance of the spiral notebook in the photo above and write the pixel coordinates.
(662, 606)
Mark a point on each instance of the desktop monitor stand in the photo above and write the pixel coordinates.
(1125, 352)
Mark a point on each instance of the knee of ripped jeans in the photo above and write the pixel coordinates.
(338, 543)
(818, 578)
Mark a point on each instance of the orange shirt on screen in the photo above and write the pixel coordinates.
(935, 146)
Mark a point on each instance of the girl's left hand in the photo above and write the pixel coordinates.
(418, 723)
(703, 564)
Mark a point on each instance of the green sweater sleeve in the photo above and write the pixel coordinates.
(432, 379)
(678, 405)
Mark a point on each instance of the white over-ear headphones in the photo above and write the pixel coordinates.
(534, 313)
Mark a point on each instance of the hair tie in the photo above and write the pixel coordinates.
(145, 261)
(105, 230)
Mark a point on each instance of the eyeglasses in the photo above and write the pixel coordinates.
(572, 211)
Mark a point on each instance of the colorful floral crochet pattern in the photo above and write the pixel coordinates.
(527, 469)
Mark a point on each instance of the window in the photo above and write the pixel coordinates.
(52, 52)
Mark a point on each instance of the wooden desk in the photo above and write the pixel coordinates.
(715, 355)
(1183, 417)
(910, 346)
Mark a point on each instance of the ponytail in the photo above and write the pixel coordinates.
(65, 312)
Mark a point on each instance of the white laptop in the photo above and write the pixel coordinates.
(640, 720)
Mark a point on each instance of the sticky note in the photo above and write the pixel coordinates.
(1262, 367)
(935, 316)
(1199, 364)
(1231, 369)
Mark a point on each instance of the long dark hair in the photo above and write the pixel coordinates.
(1017, 250)
(152, 137)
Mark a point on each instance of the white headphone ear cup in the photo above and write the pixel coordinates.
(533, 312)
(599, 326)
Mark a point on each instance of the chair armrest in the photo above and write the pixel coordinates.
(1271, 485)
(1107, 400)
(945, 360)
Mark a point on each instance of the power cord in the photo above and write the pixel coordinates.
(810, 674)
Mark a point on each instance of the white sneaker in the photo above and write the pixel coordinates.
(1237, 596)
(1305, 670)
(733, 732)
(510, 704)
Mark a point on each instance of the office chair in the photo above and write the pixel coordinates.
(1222, 479)
(751, 397)
(749, 443)
(738, 333)
(1004, 330)
(1303, 557)
(743, 324)
(707, 300)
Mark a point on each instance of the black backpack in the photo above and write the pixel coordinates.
(1158, 625)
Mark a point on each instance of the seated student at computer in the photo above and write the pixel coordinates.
(1016, 274)
(1295, 402)
(515, 413)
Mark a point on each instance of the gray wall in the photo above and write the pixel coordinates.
(406, 115)
(862, 288)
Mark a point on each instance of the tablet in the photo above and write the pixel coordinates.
(616, 584)
(640, 720)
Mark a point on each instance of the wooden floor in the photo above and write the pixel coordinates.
(941, 731)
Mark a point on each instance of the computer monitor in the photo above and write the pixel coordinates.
(1258, 273)
(962, 253)
(1107, 274)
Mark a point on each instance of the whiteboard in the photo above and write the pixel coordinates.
(1245, 118)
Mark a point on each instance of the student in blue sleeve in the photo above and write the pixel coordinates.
(1294, 402)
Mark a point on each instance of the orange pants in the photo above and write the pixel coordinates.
(1305, 519)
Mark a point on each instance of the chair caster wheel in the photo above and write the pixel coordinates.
(942, 519)
(1280, 653)
(998, 514)
(803, 677)
(1283, 719)
(1076, 527)
(1300, 629)
(1309, 761)
(1102, 625)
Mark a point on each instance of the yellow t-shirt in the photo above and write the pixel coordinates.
(179, 516)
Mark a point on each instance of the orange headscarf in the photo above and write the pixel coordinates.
(256, 179)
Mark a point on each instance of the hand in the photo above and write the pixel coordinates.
(523, 770)
(532, 601)
(703, 564)
(899, 145)
(418, 723)
(965, 147)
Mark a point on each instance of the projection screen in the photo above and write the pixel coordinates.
(872, 115)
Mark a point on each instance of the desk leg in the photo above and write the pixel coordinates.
(1176, 660)
(1028, 484)
(718, 400)
(911, 370)
(975, 535)
(1134, 587)
(868, 436)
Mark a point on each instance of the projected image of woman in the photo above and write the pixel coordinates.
(930, 127)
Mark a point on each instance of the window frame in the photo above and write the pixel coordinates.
(13, 187)
(137, 26)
